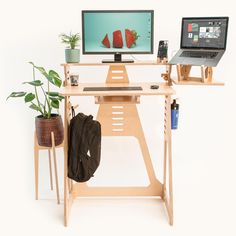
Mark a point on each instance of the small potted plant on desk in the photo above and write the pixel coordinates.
(46, 122)
(72, 54)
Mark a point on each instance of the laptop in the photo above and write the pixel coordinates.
(203, 41)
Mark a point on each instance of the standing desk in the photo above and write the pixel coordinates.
(118, 116)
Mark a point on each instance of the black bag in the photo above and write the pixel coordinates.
(84, 147)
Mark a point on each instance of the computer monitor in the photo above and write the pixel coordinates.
(117, 32)
(204, 32)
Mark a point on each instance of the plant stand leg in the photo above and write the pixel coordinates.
(36, 165)
(55, 166)
(50, 168)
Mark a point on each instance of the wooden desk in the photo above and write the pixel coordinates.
(125, 102)
(78, 90)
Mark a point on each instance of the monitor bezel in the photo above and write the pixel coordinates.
(118, 11)
(204, 18)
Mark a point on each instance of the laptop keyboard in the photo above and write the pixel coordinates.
(198, 54)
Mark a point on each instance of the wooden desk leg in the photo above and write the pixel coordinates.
(168, 195)
(65, 162)
(164, 172)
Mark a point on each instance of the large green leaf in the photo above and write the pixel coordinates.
(34, 107)
(50, 79)
(34, 83)
(42, 71)
(52, 94)
(39, 68)
(55, 94)
(57, 82)
(16, 94)
(55, 77)
(60, 97)
(55, 104)
(53, 74)
(53, 98)
(29, 97)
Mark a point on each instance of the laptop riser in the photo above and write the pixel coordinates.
(196, 61)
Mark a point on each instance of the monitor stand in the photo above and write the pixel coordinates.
(117, 59)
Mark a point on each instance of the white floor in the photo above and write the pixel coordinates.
(204, 196)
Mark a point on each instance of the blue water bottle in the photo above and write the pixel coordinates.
(174, 115)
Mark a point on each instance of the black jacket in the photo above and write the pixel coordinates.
(84, 147)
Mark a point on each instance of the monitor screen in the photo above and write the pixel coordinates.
(205, 33)
(109, 32)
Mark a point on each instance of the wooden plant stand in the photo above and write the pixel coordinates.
(37, 148)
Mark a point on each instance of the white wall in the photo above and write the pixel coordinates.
(203, 147)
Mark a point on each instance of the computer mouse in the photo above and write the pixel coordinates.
(154, 86)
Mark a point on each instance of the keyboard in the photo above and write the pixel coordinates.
(199, 54)
(130, 88)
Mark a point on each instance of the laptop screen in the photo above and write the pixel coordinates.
(204, 33)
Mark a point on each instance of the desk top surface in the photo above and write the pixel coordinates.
(135, 63)
(78, 90)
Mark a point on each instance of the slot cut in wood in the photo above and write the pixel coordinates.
(117, 130)
(117, 118)
(117, 124)
(117, 113)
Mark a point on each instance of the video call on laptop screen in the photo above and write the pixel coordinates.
(206, 33)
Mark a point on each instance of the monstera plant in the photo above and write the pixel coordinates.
(43, 100)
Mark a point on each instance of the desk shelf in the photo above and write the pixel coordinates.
(163, 89)
(196, 82)
(136, 63)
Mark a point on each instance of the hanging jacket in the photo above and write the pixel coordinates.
(84, 147)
